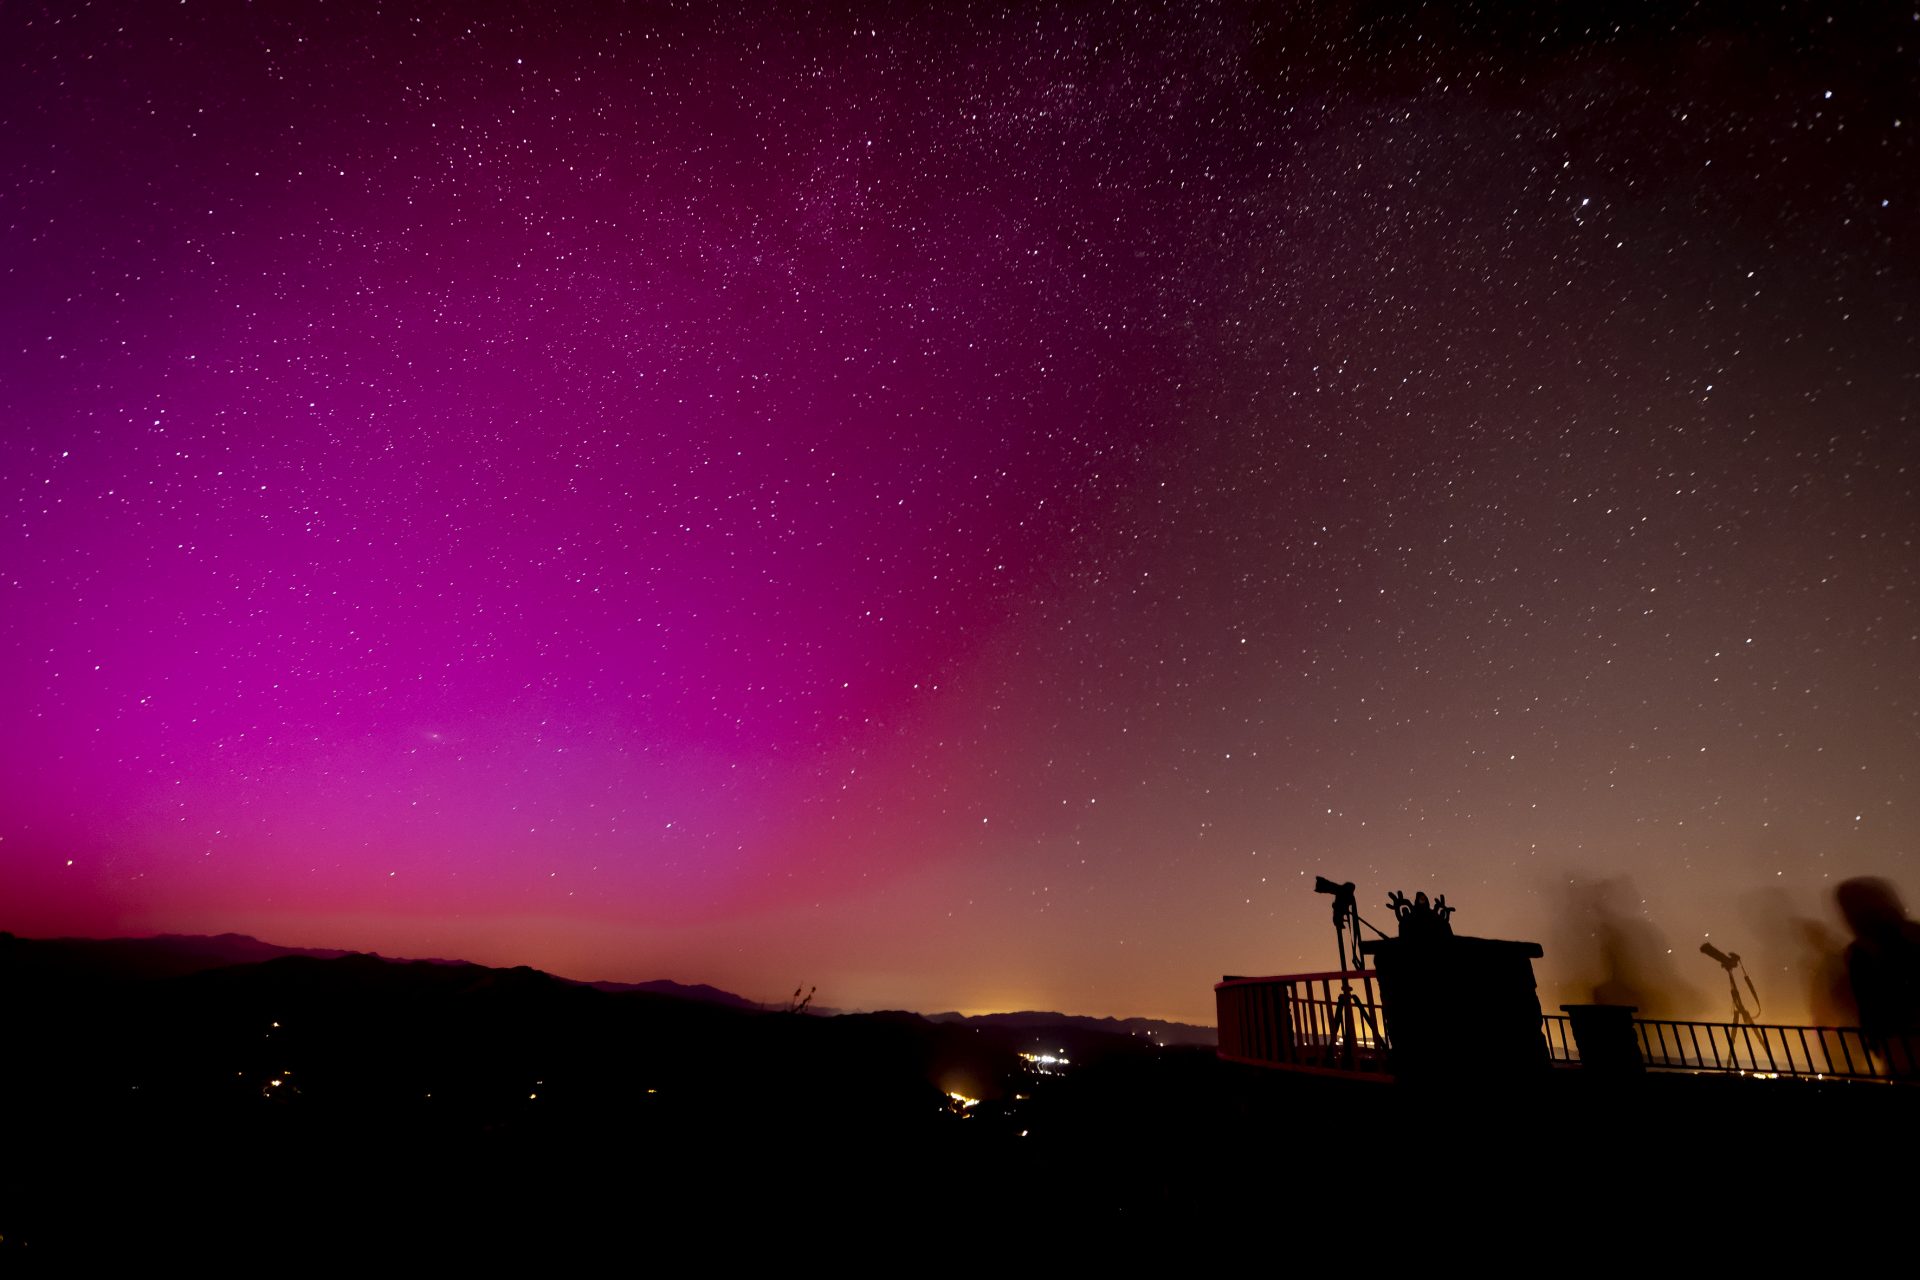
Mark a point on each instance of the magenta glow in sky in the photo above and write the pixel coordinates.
(958, 507)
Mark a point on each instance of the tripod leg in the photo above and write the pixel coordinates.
(1373, 1027)
(1347, 1031)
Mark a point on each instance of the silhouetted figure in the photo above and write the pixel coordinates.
(1822, 958)
(1420, 919)
(1883, 960)
(1627, 954)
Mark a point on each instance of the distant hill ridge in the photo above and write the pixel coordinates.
(169, 955)
(686, 991)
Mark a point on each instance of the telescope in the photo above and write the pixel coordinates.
(1730, 960)
(1323, 885)
(1724, 960)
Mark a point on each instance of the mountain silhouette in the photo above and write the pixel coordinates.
(166, 955)
(681, 990)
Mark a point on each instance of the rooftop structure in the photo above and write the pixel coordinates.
(1437, 1006)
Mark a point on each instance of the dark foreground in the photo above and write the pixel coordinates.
(434, 1114)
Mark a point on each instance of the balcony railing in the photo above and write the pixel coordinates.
(1298, 1022)
(1767, 1049)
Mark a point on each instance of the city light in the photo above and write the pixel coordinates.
(1046, 1063)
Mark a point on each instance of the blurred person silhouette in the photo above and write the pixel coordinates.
(1622, 952)
(1883, 964)
(1805, 956)
(1822, 958)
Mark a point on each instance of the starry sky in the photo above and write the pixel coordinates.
(968, 506)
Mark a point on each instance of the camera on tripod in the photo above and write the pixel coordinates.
(1348, 1009)
(1726, 961)
(1344, 907)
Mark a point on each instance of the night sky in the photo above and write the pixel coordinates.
(966, 506)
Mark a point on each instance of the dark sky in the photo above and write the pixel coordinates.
(966, 506)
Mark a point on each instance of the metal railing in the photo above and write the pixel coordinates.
(1296, 1021)
(1557, 1029)
(1767, 1049)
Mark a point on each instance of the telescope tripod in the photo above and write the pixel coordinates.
(1346, 916)
(1740, 1014)
(1730, 961)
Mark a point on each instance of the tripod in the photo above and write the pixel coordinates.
(1740, 1013)
(1730, 960)
(1346, 916)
